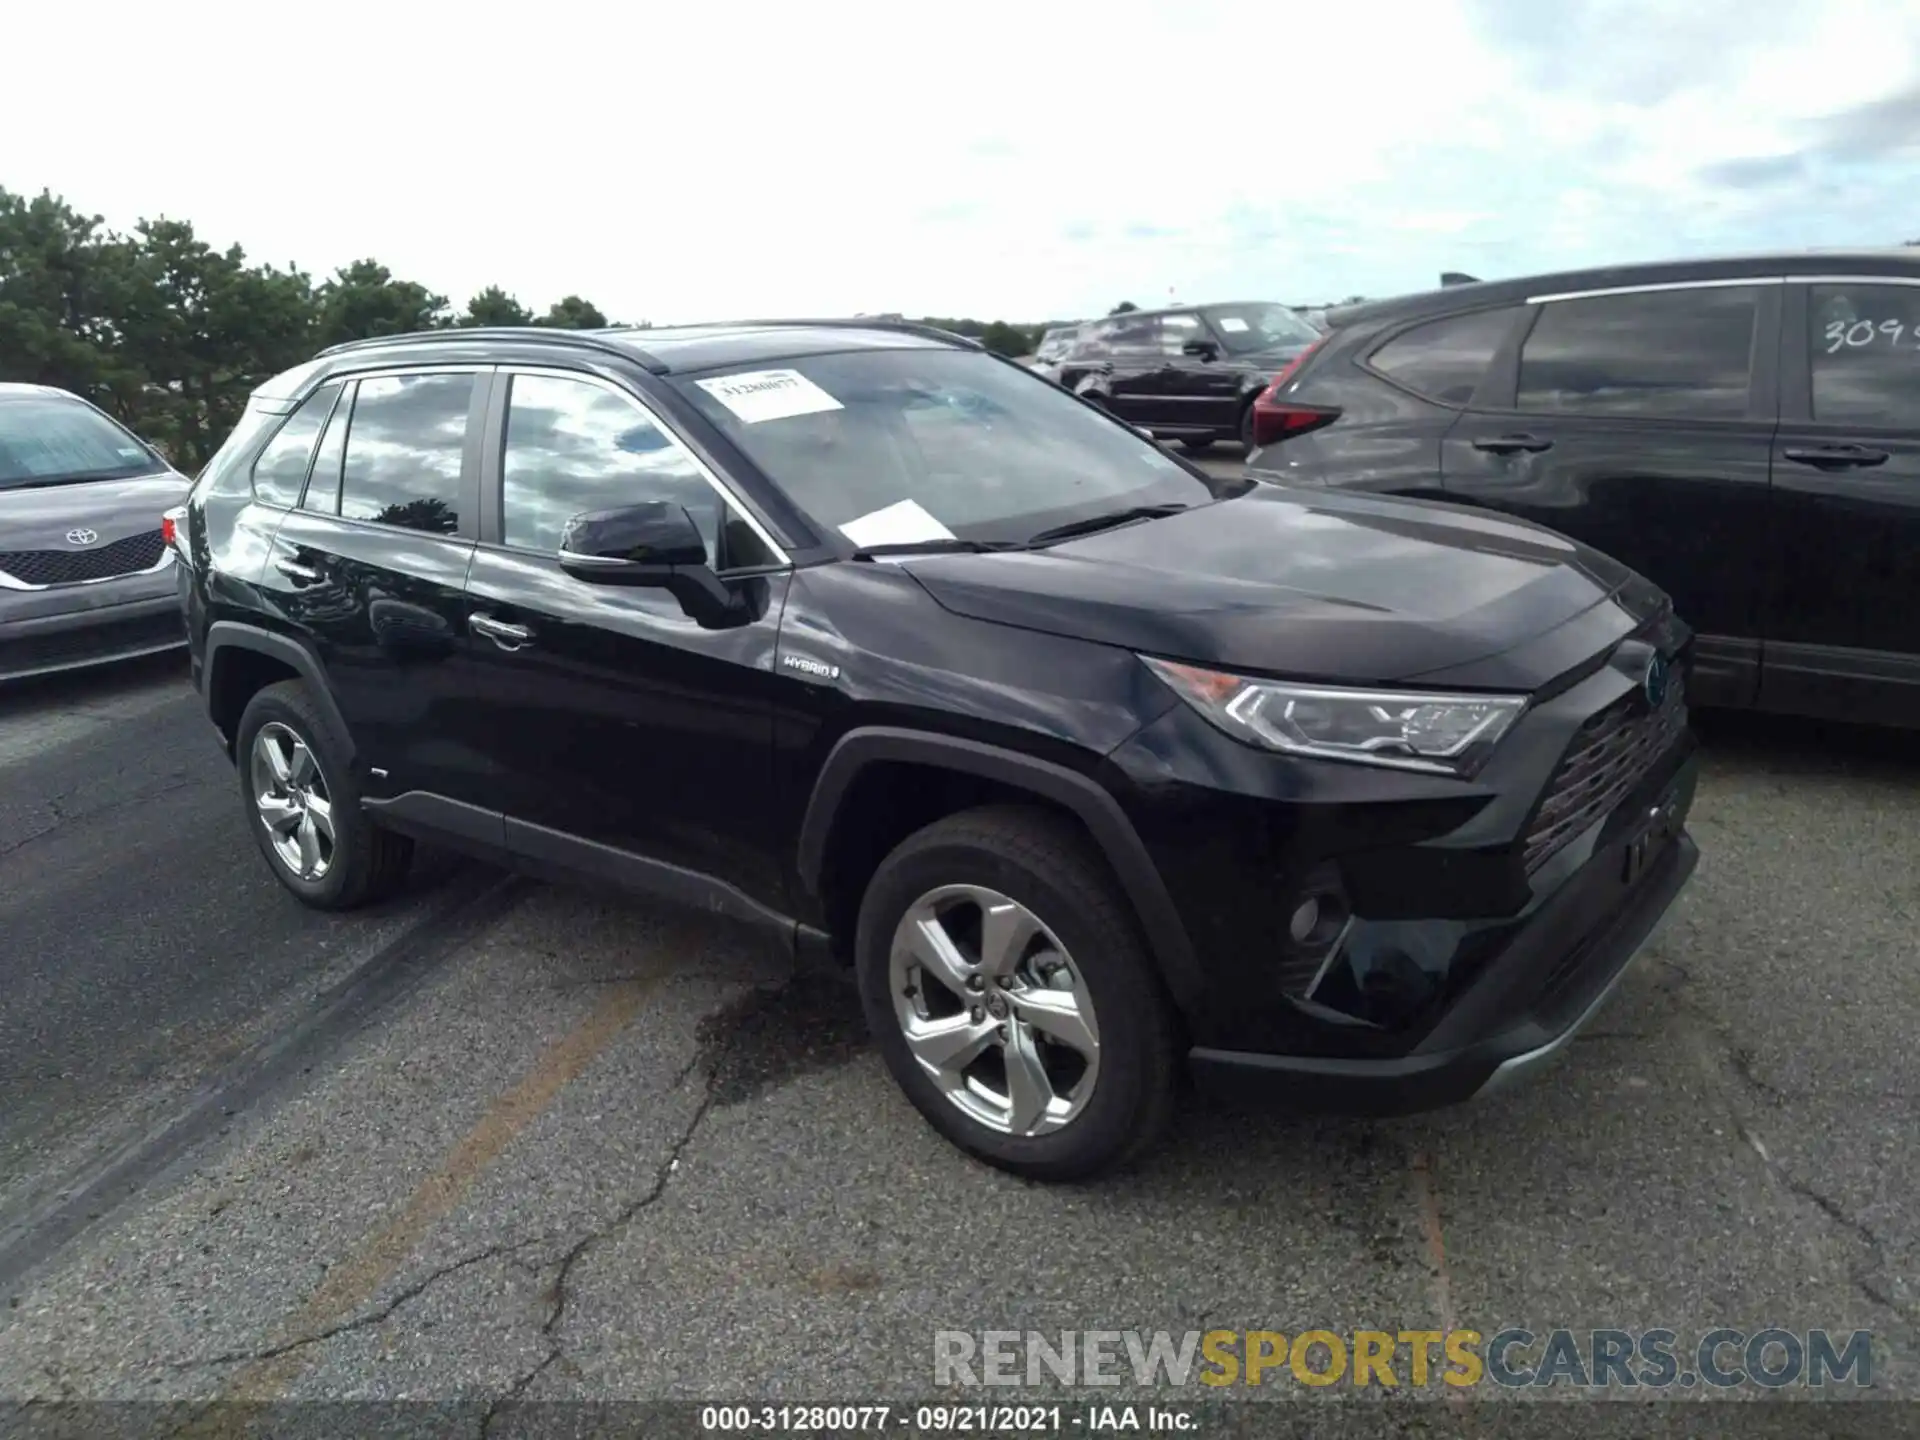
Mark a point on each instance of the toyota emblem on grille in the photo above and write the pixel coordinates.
(1655, 681)
(82, 536)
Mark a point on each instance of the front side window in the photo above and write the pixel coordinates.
(573, 446)
(1443, 360)
(405, 441)
(1250, 329)
(53, 439)
(913, 445)
(1685, 354)
(1864, 344)
(281, 471)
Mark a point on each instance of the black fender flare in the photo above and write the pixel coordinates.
(225, 636)
(1106, 822)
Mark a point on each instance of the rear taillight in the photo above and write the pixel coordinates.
(172, 532)
(1275, 419)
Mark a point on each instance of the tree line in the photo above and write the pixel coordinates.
(170, 334)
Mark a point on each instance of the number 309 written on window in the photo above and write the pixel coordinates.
(1855, 335)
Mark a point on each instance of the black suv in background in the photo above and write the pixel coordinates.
(1093, 766)
(1745, 433)
(1187, 374)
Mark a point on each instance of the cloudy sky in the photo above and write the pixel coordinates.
(676, 161)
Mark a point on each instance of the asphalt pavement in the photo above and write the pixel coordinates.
(504, 1140)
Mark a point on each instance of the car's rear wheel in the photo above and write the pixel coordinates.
(1246, 427)
(1010, 992)
(304, 808)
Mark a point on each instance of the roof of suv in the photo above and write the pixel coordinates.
(1664, 272)
(683, 348)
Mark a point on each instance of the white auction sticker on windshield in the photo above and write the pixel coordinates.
(903, 523)
(1230, 322)
(769, 395)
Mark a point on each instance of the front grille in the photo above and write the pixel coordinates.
(70, 567)
(1608, 756)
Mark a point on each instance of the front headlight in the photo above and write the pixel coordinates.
(1405, 729)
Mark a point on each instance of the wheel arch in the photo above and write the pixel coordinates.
(242, 659)
(1011, 775)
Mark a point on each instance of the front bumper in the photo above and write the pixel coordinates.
(66, 627)
(1520, 1013)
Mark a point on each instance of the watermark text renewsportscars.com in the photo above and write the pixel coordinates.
(1511, 1358)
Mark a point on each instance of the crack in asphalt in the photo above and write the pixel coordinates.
(55, 806)
(557, 1304)
(366, 1319)
(1739, 1062)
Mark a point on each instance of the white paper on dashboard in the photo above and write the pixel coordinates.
(769, 395)
(902, 523)
(1231, 322)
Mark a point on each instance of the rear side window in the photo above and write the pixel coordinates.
(405, 443)
(281, 471)
(1444, 359)
(1687, 354)
(1865, 354)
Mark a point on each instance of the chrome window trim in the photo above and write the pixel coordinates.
(1862, 279)
(1656, 289)
(509, 369)
(10, 582)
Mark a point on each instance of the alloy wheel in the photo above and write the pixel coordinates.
(291, 795)
(994, 1010)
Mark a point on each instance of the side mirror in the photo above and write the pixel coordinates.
(656, 544)
(1201, 349)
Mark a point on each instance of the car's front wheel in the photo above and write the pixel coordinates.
(1010, 992)
(304, 808)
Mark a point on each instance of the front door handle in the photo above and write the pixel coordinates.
(1512, 444)
(507, 637)
(296, 572)
(1834, 457)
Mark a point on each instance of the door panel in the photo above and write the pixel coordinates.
(610, 715)
(1842, 625)
(1642, 425)
(383, 599)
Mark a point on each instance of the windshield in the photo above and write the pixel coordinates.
(1244, 329)
(908, 446)
(54, 439)
(1055, 343)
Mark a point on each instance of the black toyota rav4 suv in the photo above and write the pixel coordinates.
(1096, 769)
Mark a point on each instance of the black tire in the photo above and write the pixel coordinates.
(1246, 427)
(1044, 862)
(1197, 447)
(367, 863)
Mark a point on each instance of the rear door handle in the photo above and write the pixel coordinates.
(1834, 457)
(507, 637)
(1512, 444)
(298, 573)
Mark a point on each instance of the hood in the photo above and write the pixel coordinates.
(1321, 585)
(38, 517)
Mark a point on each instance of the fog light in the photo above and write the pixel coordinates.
(1305, 918)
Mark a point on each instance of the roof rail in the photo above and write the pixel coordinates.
(855, 322)
(525, 334)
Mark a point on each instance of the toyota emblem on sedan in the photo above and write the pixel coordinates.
(82, 537)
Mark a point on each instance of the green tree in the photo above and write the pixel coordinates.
(573, 313)
(363, 300)
(52, 324)
(493, 306)
(1005, 339)
(1123, 307)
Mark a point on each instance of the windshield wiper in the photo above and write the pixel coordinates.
(930, 546)
(1104, 522)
